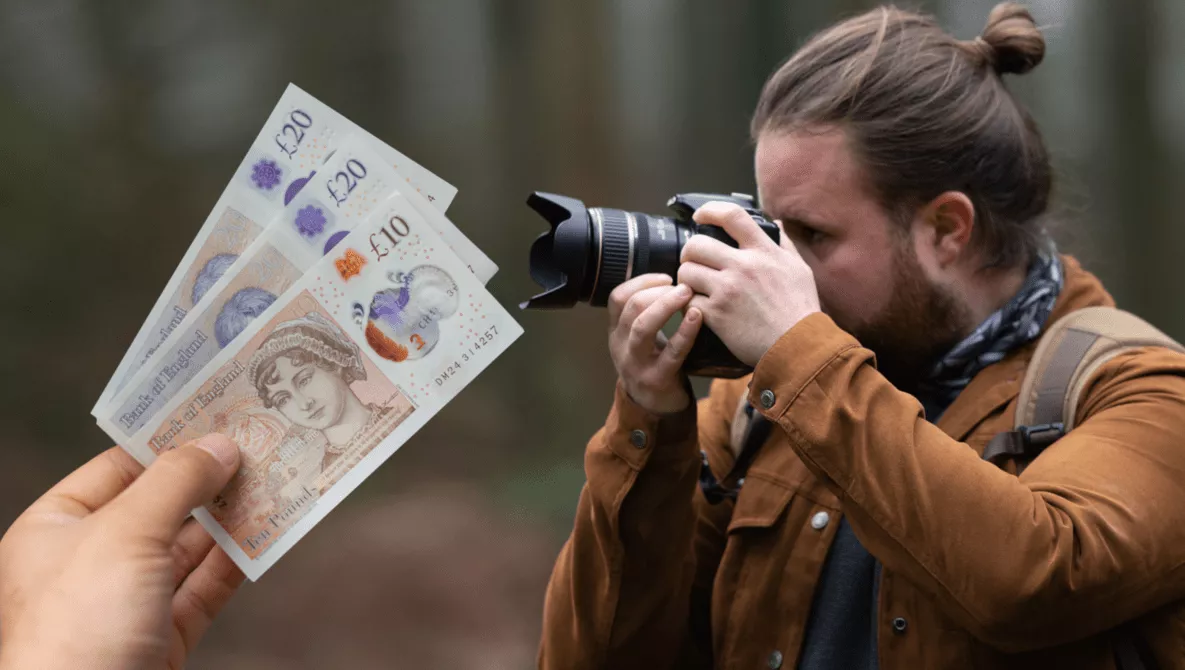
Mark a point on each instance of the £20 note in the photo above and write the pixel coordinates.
(300, 133)
(333, 378)
(345, 190)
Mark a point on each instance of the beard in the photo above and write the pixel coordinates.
(921, 323)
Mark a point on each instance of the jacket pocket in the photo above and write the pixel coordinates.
(760, 504)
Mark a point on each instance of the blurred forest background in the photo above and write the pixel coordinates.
(121, 122)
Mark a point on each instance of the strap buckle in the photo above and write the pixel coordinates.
(1042, 435)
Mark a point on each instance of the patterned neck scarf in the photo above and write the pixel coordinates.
(1013, 325)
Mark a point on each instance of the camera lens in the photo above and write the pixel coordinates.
(590, 251)
(629, 244)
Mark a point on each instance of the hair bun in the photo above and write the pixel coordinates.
(1011, 42)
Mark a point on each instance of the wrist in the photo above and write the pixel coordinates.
(670, 401)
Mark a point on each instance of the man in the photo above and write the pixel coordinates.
(889, 338)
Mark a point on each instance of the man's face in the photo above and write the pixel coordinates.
(865, 264)
(307, 394)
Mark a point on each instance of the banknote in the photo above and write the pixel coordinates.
(345, 190)
(300, 133)
(334, 377)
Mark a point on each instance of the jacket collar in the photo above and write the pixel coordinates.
(998, 384)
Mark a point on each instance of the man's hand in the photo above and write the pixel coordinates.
(749, 296)
(104, 571)
(649, 365)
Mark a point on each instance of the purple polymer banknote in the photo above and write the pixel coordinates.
(299, 135)
(312, 223)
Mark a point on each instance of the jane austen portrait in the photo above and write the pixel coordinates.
(304, 370)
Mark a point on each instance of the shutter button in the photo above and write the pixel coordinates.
(768, 399)
(638, 439)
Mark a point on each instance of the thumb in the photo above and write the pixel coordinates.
(181, 479)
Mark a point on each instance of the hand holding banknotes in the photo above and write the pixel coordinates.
(104, 570)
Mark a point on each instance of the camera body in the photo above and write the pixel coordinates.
(589, 252)
(684, 206)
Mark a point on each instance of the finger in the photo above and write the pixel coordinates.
(192, 545)
(178, 481)
(202, 596)
(735, 221)
(640, 302)
(680, 343)
(702, 279)
(644, 331)
(709, 252)
(92, 485)
(785, 241)
(620, 296)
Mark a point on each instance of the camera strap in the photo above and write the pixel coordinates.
(757, 430)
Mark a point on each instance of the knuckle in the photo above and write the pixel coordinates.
(637, 336)
(632, 307)
(726, 291)
(620, 297)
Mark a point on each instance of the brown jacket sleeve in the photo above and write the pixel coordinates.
(1091, 535)
(640, 557)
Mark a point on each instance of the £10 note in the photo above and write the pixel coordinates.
(300, 133)
(334, 377)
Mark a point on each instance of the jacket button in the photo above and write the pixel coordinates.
(820, 520)
(899, 625)
(638, 439)
(768, 398)
(775, 660)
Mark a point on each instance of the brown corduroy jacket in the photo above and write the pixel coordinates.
(981, 568)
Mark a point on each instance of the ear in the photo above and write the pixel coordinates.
(946, 224)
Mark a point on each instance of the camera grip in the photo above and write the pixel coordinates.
(709, 357)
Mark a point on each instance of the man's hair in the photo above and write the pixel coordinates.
(927, 113)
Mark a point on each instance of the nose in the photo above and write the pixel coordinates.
(306, 403)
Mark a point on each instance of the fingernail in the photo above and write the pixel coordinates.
(220, 447)
(693, 315)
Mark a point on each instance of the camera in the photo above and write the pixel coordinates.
(590, 251)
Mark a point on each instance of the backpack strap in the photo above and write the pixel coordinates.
(1068, 355)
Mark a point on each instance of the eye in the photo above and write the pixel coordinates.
(804, 233)
(814, 236)
(303, 378)
(280, 399)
